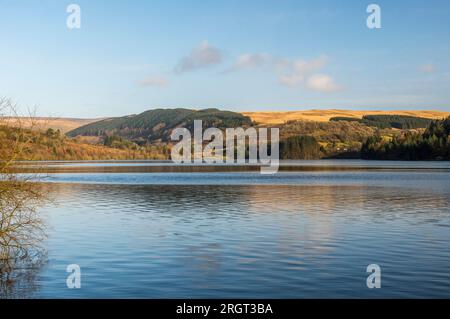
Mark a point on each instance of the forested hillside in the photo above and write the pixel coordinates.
(380, 136)
(156, 125)
(388, 121)
(433, 144)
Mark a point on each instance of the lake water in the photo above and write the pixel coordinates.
(309, 231)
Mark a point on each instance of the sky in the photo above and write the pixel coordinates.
(131, 56)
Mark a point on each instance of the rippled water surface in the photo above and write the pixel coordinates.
(296, 234)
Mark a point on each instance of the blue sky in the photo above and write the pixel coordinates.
(130, 56)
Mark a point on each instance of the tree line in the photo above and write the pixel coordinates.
(432, 144)
(403, 122)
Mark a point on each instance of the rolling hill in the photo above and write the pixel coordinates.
(328, 133)
(156, 125)
(325, 115)
(276, 117)
(43, 123)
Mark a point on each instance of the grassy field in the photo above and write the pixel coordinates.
(325, 115)
(43, 123)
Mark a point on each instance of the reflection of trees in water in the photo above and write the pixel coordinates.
(316, 202)
(18, 275)
(21, 231)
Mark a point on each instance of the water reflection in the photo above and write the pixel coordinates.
(170, 167)
(21, 234)
(293, 235)
(18, 276)
(249, 241)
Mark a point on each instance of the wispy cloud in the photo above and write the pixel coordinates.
(291, 73)
(427, 68)
(291, 80)
(158, 81)
(202, 56)
(251, 60)
(304, 66)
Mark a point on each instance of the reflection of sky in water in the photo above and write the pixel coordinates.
(248, 235)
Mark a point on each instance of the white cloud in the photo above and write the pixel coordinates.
(154, 81)
(322, 83)
(293, 73)
(427, 68)
(251, 60)
(205, 55)
(304, 73)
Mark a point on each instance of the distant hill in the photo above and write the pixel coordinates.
(156, 125)
(69, 124)
(325, 115)
(43, 123)
(303, 134)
